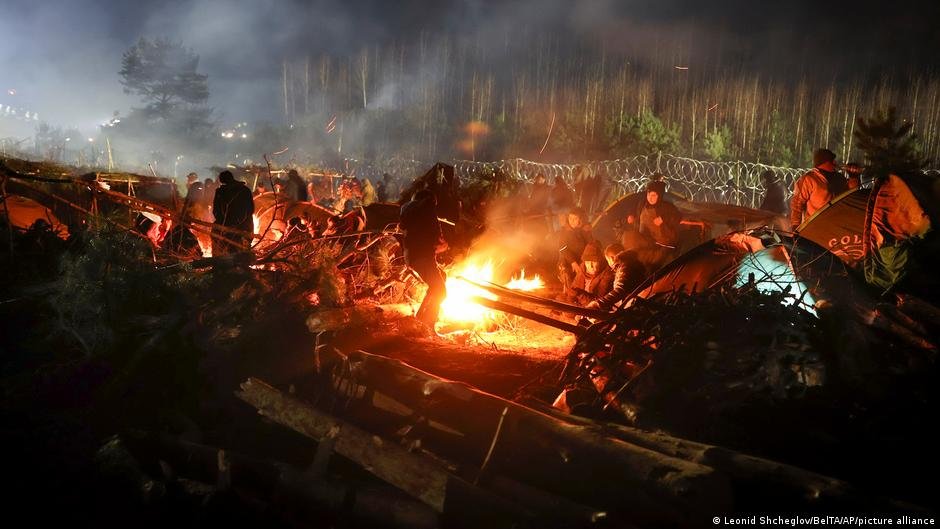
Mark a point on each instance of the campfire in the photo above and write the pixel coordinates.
(458, 307)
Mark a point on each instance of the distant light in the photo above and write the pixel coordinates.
(12, 91)
(244, 135)
(68, 139)
(91, 139)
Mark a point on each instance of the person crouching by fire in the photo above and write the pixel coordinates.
(629, 272)
(422, 241)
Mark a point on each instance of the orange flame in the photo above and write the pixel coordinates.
(457, 306)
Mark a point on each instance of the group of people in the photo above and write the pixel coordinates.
(599, 277)
(320, 189)
(229, 203)
(590, 274)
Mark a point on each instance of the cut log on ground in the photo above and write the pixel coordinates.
(534, 448)
(461, 502)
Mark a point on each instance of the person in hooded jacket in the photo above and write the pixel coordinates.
(594, 280)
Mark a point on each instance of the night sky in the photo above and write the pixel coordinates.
(62, 56)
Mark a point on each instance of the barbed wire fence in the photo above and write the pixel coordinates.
(734, 182)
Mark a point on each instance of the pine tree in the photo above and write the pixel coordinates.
(889, 148)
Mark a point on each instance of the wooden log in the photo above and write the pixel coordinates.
(537, 300)
(417, 475)
(753, 478)
(389, 462)
(527, 314)
(566, 459)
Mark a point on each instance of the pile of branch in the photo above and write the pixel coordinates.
(674, 356)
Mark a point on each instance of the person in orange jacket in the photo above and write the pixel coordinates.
(816, 188)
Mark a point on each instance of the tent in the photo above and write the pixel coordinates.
(840, 225)
(715, 214)
(24, 213)
(771, 262)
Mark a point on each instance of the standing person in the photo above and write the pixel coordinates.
(233, 208)
(209, 187)
(368, 192)
(773, 194)
(659, 221)
(386, 188)
(421, 243)
(816, 188)
(296, 188)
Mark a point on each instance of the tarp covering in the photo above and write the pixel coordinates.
(738, 258)
(25, 212)
(840, 225)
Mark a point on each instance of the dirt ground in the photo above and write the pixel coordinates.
(500, 360)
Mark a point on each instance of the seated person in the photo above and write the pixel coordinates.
(573, 237)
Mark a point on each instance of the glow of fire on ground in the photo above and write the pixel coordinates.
(458, 308)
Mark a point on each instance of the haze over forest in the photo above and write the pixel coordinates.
(551, 80)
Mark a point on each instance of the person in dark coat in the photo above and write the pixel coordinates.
(421, 243)
(594, 280)
(296, 188)
(232, 207)
(628, 274)
(385, 190)
(659, 221)
(773, 194)
(572, 238)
